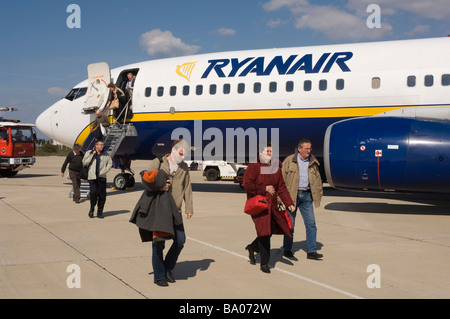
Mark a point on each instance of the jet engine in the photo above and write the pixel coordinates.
(388, 154)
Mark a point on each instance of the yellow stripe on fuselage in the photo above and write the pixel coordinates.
(337, 112)
(265, 114)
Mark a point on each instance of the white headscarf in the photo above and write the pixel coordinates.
(175, 157)
(264, 158)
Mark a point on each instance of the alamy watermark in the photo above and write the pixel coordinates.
(74, 279)
(237, 146)
(374, 279)
(74, 19)
(374, 19)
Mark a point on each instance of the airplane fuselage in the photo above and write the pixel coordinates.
(297, 91)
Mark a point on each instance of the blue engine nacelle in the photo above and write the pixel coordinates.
(388, 154)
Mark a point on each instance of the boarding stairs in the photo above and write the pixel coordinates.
(115, 135)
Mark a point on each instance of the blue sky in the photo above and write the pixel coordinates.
(41, 58)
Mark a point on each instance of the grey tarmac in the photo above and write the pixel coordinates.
(375, 246)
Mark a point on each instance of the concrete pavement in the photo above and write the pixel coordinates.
(48, 243)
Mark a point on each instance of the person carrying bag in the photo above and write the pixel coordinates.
(264, 178)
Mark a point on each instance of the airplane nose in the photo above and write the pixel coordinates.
(44, 124)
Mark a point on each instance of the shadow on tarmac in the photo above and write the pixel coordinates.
(188, 269)
(420, 203)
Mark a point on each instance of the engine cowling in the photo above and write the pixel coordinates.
(388, 154)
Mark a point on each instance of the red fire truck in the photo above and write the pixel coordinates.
(17, 146)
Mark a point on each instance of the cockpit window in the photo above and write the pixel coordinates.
(76, 93)
(81, 92)
(71, 94)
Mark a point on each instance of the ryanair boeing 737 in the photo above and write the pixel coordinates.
(377, 113)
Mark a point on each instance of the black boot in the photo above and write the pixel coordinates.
(251, 255)
(265, 268)
(99, 214)
(91, 213)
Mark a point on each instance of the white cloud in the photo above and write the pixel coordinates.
(58, 92)
(164, 44)
(420, 29)
(226, 31)
(334, 22)
(275, 23)
(432, 9)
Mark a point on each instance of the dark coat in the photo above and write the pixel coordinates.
(270, 221)
(75, 162)
(156, 210)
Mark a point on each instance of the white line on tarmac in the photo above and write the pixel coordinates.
(315, 282)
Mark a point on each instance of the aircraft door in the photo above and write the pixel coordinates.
(97, 93)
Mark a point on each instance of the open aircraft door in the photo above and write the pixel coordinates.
(97, 93)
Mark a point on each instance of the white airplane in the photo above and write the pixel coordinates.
(377, 113)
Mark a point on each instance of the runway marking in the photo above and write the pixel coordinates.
(312, 281)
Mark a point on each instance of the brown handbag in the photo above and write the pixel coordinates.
(114, 104)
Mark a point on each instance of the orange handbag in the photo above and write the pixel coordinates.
(255, 205)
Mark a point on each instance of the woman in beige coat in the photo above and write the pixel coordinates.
(181, 189)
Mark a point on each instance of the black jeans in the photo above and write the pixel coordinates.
(261, 245)
(97, 193)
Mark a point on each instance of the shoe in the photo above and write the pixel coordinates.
(251, 255)
(265, 268)
(91, 213)
(161, 282)
(288, 254)
(314, 255)
(169, 276)
(100, 215)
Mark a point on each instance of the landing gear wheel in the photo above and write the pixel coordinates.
(123, 181)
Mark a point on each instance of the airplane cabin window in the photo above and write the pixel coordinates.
(411, 81)
(289, 86)
(199, 89)
(322, 85)
(307, 85)
(376, 83)
(241, 88)
(212, 89)
(160, 91)
(272, 87)
(257, 87)
(429, 80)
(226, 88)
(339, 84)
(148, 92)
(186, 89)
(445, 79)
(173, 91)
(81, 92)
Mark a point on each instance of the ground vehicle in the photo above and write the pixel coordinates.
(17, 146)
(216, 170)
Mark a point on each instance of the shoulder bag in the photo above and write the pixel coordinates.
(84, 173)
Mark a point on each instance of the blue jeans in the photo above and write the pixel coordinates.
(160, 265)
(305, 204)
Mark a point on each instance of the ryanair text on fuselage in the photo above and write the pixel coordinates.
(290, 66)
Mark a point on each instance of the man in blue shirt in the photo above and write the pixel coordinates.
(302, 177)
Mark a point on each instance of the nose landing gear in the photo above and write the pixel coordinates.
(123, 181)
